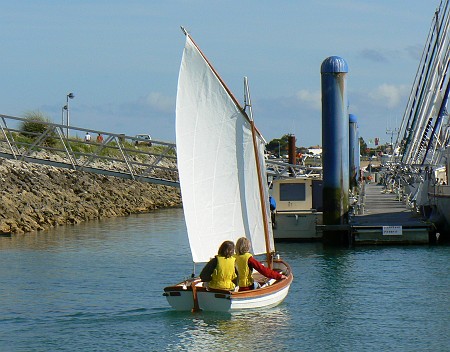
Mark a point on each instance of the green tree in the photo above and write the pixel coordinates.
(363, 146)
(278, 145)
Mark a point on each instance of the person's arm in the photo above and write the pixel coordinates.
(207, 271)
(267, 272)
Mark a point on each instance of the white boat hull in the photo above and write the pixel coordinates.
(441, 197)
(181, 296)
(298, 226)
(223, 303)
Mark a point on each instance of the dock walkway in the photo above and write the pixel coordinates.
(385, 219)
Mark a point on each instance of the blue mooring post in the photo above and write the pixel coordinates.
(358, 156)
(353, 150)
(335, 146)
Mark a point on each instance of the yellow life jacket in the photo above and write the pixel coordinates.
(223, 274)
(245, 278)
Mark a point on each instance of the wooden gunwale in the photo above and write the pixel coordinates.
(260, 292)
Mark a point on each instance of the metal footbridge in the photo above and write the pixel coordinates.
(103, 153)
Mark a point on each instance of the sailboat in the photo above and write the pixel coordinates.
(220, 156)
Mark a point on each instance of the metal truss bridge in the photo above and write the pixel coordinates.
(105, 153)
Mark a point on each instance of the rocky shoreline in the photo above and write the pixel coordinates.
(36, 197)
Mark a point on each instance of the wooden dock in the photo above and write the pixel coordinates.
(387, 220)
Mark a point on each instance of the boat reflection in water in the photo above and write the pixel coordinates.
(211, 331)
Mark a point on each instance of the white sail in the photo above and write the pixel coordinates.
(216, 161)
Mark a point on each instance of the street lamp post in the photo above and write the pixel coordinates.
(392, 132)
(279, 151)
(69, 96)
(62, 115)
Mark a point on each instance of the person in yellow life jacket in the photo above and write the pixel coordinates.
(245, 264)
(219, 272)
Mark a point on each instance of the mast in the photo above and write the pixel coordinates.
(258, 168)
(416, 112)
(412, 100)
(418, 129)
(437, 123)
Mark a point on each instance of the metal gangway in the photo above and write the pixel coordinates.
(103, 153)
(277, 169)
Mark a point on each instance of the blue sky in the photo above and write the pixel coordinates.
(121, 59)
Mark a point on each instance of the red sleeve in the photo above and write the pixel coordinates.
(267, 272)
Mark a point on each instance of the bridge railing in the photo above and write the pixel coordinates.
(278, 169)
(105, 153)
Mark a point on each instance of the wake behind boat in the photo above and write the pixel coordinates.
(220, 157)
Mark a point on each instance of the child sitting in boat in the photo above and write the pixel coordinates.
(245, 264)
(219, 272)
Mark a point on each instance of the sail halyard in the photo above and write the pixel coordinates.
(215, 152)
(263, 196)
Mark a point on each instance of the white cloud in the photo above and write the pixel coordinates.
(158, 102)
(389, 95)
(312, 99)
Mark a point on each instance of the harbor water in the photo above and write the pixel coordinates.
(98, 287)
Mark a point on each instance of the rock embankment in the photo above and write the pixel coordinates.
(36, 197)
